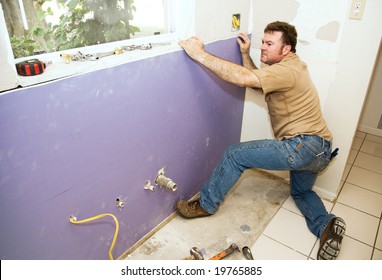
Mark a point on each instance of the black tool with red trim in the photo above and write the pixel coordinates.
(30, 67)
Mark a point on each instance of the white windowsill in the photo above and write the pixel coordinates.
(59, 69)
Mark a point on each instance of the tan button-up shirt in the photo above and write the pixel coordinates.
(292, 99)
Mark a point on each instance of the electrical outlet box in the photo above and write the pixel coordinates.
(356, 9)
(235, 22)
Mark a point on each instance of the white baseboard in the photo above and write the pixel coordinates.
(324, 194)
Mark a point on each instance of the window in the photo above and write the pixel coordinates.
(51, 29)
(36, 27)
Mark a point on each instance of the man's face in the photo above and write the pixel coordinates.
(272, 49)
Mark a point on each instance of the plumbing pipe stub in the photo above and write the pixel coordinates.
(119, 203)
(148, 186)
(165, 183)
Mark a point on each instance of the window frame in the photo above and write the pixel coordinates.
(181, 18)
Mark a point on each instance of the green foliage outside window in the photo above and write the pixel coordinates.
(84, 23)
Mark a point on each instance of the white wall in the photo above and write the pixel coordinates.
(340, 54)
(372, 109)
(356, 59)
(213, 18)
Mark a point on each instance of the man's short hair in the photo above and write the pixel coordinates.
(289, 32)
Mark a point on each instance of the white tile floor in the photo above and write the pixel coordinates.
(359, 204)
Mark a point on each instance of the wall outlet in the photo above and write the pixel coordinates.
(380, 123)
(235, 22)
(356, 9)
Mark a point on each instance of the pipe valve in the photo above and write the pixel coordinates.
(164, 182)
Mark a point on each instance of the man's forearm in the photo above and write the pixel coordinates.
(230, 72)
(248, 62)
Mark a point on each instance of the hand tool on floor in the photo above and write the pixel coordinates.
(247, 253)
(196, 254)
(232, 248)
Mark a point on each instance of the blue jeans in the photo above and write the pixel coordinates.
(304, 156)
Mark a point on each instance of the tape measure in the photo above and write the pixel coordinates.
(30, 67)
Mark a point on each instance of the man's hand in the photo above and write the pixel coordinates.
(194, 47)
(244, 43)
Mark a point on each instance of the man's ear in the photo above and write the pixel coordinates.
(286, 49)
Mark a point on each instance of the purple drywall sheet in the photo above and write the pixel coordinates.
(72, 146)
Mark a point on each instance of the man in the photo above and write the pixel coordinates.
(303, 141)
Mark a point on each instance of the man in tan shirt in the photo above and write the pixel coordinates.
(303, 140)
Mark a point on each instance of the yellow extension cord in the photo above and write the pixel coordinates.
(73, 220)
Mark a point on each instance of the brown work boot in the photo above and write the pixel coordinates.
(331, 239)
(190, 209)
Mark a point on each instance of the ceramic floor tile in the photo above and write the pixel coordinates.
(328, 205)
(374, 138)
(352, 249)
(297, 236)
(357, 142)
(361, 199)
(377, 255)
(359, 225)
(372, 148)
(352, 155)
(291, 206)
(266, 248)
(365, 179)
(360, 134)
(313, 254)
(378, 243)
(346, 172)
(369, 162)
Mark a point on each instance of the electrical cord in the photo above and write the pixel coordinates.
(73, 220)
